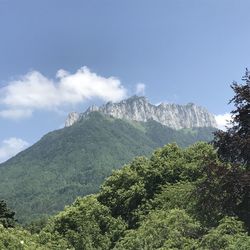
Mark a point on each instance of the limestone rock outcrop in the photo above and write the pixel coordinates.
(140, 109)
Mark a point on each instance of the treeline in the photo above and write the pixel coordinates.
(192, 198)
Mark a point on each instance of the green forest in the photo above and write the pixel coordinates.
(75, 161)
(176, 198)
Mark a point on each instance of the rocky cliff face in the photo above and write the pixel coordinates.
(139, 109)
(72, 118)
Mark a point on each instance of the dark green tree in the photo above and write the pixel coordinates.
(234, 144)
(221, 192)
(7, 217)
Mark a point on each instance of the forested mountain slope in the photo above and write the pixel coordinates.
(74, 161)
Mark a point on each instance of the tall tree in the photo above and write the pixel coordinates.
(234, 144)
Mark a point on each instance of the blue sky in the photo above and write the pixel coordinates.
(58, 56)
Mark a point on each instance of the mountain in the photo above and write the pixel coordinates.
(75, 160)
(140, 109)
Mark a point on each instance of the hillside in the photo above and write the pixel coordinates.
(75, 160)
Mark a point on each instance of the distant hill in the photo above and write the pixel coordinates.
(75, 160)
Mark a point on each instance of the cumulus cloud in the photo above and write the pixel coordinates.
(35, 91)
(140, 88)
(11, 147)
(223, 120)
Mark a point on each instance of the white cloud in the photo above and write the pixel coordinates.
(15, 113)
(34, 91)
(223, 120)
(140, 88)
(11, 147)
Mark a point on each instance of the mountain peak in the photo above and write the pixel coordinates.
(136, 97)
(138, 108)
(133, 98)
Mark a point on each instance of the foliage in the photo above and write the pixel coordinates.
(220, 192)
(87, 224)
(173, 196)
(7, 217)
(173, 229)
(229, 234)
(125, 189)
(131, 187)
(19, 239)
(37, 225)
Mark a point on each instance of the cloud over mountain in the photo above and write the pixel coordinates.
(34, 91)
